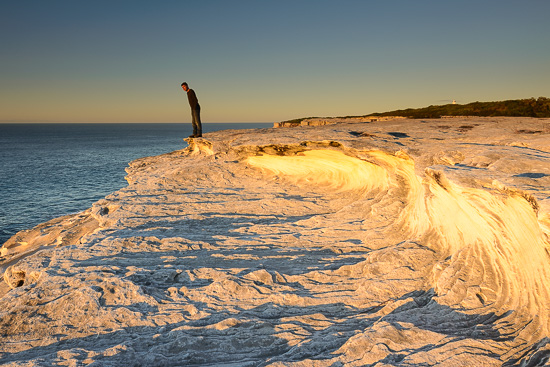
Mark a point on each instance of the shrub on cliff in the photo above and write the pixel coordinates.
(517, 108)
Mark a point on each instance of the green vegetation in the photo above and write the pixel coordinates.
(514, 108)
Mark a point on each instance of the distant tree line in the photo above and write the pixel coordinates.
(532, 107)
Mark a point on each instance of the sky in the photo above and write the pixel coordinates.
(262, 60)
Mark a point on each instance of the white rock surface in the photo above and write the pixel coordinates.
(410, 242)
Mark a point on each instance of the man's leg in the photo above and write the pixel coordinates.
(194, 123)
(197, 125)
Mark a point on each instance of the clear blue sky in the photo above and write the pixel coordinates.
(264, 61)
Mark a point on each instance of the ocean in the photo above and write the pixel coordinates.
(51, 170)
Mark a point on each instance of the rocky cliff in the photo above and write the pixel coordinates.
(407, 242)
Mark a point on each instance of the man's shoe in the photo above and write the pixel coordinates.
(192, 136)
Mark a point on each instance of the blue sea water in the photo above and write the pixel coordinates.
(50, 170)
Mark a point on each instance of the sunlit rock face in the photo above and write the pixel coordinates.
(409, 242)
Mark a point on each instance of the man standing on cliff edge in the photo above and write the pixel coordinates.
(195, 110)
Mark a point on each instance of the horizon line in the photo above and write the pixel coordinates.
(129, 122)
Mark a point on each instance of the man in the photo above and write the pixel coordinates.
(195, 110)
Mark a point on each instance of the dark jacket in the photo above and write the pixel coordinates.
(193, 101)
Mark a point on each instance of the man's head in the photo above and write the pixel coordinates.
(185, 86)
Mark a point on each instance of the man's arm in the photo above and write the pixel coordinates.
(193, 101)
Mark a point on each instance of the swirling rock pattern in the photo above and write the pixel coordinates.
(385, 243)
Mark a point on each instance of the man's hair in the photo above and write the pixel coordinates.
(184, 83)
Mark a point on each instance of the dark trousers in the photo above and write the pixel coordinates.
(197, 126)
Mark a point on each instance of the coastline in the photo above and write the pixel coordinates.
(313, 245)
(50, 170)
